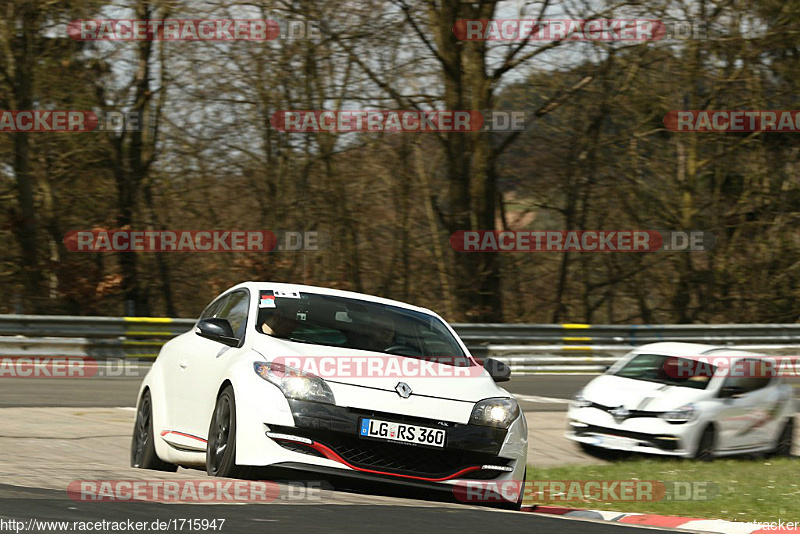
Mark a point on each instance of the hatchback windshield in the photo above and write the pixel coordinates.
(667, 370)
(357, 324)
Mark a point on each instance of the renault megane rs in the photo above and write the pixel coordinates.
(300, 377)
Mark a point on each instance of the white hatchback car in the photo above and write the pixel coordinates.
(685, 399)
(330, 381)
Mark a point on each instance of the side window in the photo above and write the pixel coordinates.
(212, 308)
(234, 309)
(752, 376)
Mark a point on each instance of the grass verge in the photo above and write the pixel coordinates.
(733, 489)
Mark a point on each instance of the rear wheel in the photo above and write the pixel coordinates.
(221, 450)
(143, 448)
(705, 447)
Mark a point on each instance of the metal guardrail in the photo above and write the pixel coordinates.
(526, 348)
(591, 348)
(97, 337)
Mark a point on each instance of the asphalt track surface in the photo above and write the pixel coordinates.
(23, 504)
(345, 506)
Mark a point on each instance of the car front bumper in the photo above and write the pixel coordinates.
(324, 438)
(649, 435)
(328, 431)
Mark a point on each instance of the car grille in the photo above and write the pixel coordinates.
(400, 459)
(631, 413)
(653, 440)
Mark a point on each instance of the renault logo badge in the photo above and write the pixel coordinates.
(403, 390)
(620, 414)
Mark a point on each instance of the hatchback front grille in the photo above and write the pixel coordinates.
(665, 442)
(403, 459)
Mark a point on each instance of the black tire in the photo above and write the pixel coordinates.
(522, 491)
(783, 448)
(143, 447)
(705, 447)
(515, 506)
(221, 450)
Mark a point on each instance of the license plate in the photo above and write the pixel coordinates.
(402, 432)
(616, 442)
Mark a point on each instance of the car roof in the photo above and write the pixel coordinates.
(258, 286)
(672, 348)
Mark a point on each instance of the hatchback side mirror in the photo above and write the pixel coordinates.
(499, 371)
(218, 330)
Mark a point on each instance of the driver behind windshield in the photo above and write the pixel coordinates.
(278, 323)
(381, 332)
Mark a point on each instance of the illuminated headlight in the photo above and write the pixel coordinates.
(684, 414)
(579, 401)
(294, 383)
(500, 412)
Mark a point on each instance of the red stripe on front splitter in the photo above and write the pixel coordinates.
(330, 455)
(165, 432)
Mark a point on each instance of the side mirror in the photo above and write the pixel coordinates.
(499, 371)
(217, 330)
(730, 391)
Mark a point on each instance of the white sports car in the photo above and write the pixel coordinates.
(323, 380)
(685, 399)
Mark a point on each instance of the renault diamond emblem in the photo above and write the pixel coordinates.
(403, 390)
(620, 414)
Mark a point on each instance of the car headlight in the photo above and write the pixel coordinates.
(499, 412)
(579, 401)
(684, 414)
(294, 383)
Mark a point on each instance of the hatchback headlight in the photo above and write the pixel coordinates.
(294, 383)
(684, 414)
(499, 412)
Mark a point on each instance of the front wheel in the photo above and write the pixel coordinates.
(783, 448)
(221, 450)
(143, 448)
(515, 506)
(705, 448)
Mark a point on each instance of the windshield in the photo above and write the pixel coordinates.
(669, 370)
(357, 324)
